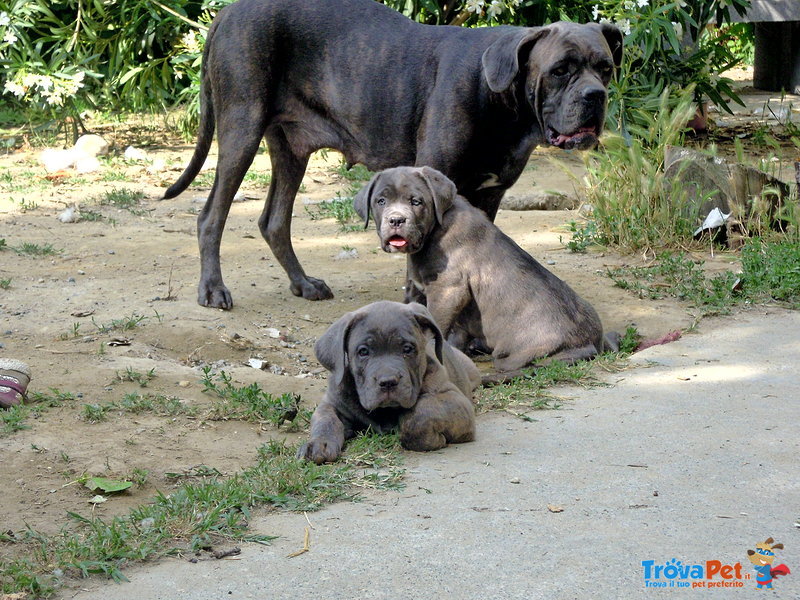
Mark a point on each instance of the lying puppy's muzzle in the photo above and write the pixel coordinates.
(388, 389)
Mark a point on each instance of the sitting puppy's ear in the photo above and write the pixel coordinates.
(331, 347)
(442, 189)
(425, 320)
(363, 198)
(501, 60)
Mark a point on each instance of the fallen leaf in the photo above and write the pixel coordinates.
(554, 508)
(107, 485)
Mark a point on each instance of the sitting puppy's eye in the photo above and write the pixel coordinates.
(363, 351)
(380, 201)
(415, 201)
(409, 349)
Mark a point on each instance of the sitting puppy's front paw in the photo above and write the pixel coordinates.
(319, 451)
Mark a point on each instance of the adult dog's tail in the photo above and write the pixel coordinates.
(206, 130)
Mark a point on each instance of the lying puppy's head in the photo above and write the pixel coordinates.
(563, 70)
(407, 203)
(381, 350)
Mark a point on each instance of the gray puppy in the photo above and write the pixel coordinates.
(389, 366)
(358, 77)
(475, 276)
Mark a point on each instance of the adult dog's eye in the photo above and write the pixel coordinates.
(559, 71)
(409, 349)
(363, 351)
(606, 71)
(415, 201)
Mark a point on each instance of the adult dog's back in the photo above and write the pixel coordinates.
(358, 77)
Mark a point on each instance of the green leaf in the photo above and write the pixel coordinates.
(107, 485)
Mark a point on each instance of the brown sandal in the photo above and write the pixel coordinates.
(14, 378)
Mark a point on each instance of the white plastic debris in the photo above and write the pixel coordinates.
(716, 218)
(70, 215)
(272, 332)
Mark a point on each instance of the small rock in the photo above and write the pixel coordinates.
(91, 145)
(347, 254)
(81, 272)
(539, 201)
(239, 197)
(184, 384)
(57, 160)
(70, 280)
(136, 154)
(87, 164)
(514, 480)
(111, 252)
(550, 261)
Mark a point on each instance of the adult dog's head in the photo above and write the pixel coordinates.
(407, 202)
(563, 71)
(381, 350)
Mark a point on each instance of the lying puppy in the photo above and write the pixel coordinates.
(474, 276)
(390, 366)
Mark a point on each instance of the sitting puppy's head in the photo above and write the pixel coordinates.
(381, 350)
(407, 203)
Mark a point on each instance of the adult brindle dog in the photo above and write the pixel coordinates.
(358, 77)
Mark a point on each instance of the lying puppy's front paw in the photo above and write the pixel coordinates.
(319, 451)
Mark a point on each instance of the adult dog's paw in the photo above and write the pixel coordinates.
(311, 288)
(319, 451)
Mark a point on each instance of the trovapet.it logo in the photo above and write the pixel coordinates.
(708, 574)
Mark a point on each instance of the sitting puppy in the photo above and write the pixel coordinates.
(390, 366)
(474, 276)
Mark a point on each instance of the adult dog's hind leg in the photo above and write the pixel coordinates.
(275, 222)
(240, 129)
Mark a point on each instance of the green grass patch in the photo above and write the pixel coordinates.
(340, 209)
(251, 403)
(770, 272)
(135, 376)
(5, 283)
(16, 418)
(36, 250)
(357, 173)
(196, 516)
(530, 391)
(123, 199)
(158, 404)
(124, 324)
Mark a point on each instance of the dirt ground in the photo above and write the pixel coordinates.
(147, 265)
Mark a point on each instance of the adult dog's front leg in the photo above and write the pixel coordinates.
(327, 436)
(438, 418)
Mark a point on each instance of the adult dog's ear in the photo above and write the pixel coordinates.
(442, 189)
(501, 60)
(331, 347)
(425, 320)
(614, 40)
(362, 200)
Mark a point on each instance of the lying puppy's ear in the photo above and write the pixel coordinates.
(614, 39)
(425, 320)
(331, 347)
(362, 200)
(501, 59)
(442, 189)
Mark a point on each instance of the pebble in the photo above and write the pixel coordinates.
(514, 480)
(71, 280)
(550, 262)
(184, 384)
(81, 272)
(111, 252)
